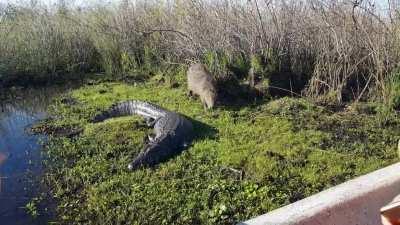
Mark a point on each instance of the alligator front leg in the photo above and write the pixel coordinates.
(151, 137)
(150, 121)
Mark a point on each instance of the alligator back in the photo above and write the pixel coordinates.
(173, 132)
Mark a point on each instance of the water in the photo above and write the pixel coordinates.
(20, 157)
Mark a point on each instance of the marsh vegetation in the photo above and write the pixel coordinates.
(309, 97)
(330, 50)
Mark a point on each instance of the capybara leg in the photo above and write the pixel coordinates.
(204, 104)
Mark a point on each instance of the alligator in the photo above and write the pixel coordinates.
(172, 131)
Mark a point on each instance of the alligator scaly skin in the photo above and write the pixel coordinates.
(173, 132)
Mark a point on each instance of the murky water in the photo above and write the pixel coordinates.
(20, 157)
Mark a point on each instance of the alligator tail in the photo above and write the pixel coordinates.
(132, 107)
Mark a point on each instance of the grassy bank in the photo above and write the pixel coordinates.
(245, 160)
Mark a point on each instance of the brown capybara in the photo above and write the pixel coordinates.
(201, 83)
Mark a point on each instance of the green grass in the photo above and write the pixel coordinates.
(244, 161)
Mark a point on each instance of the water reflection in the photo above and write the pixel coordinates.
(20, 159)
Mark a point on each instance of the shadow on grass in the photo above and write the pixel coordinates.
(234, 100)
(202, 131)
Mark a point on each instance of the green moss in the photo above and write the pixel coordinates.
(243, 162)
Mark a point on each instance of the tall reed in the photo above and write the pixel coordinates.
(341, 50)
